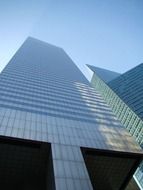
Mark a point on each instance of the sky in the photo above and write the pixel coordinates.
(104, 33)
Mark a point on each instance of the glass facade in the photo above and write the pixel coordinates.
(121, 94)
(44, 98)
(129, 87)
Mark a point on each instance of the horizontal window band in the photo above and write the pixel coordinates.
(48, 114)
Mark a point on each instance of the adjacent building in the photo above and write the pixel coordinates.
(56, 131)
(123, 93)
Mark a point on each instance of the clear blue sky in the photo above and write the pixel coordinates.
(104, 33)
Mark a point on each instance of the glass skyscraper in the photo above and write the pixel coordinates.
(56, 131)
(124, 95)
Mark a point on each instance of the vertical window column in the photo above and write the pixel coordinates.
(69, 168)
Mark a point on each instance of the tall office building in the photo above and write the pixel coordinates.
(129, 87)
(124, 95)
(56, 131)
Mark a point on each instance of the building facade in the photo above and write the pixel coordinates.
(56, 131)
(123, 94)
(129, 87)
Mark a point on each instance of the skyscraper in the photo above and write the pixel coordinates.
(129, 87)
(124, 95)
(56, 131)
